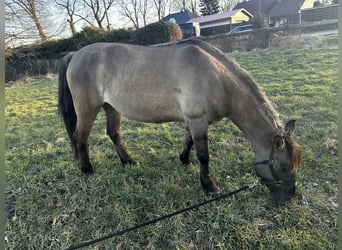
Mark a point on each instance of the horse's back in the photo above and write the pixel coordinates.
(144, 83)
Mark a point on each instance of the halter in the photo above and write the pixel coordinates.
(276, 181)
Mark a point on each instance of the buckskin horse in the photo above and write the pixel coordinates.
(191, 82)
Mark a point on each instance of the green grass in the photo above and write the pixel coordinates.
(50, 204)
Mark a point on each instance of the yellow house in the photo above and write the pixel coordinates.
(221, 22)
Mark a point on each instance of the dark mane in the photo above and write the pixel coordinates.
(243, 74)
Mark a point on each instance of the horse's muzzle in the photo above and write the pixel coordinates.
(281, 193)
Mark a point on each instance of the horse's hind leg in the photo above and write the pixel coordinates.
(114, 132)
(80, 136)
(188, 142)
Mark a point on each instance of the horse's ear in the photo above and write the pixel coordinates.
(290, 127)
(278, 142)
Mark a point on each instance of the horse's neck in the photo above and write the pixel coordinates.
(256, 123)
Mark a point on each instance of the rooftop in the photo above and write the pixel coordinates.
(219, 16)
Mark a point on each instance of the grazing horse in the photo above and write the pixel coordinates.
(190, 82)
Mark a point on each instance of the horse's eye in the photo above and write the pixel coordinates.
(284, 166)
(278, 184)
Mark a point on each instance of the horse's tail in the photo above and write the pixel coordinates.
(66, 106)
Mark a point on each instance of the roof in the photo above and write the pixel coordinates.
(253, 6)
(180, 17)
(272, 8)
(286, 8)
(219, 16)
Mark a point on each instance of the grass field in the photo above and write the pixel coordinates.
(50, 204)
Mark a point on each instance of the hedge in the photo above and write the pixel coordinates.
(159, 32)
(41, 58)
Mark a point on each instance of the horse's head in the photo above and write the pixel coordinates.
(278, 172)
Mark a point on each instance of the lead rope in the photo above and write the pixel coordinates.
(118, 233)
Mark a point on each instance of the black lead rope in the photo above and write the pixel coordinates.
(118, 233)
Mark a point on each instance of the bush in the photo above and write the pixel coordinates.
(259, 21)
(92, 34)
(88, 35)
(317, 4)
(159, 32)
(259, 39)
(29, 66)
(41, 58)
(52, 49)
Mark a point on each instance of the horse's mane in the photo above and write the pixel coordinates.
(245, 77)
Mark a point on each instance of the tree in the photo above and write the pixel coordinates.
(209, 7)
(191, 5)
(227, 5)
(70, 8)
(143, 10)
(99, 10)
(21, 10)
(180, 4)
(160, 7)
(131, 10)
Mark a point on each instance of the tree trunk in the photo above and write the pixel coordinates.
(72, 25)
(39, 27)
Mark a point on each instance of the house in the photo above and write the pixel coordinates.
(221, 22)
(279, 12)
(182, 18)
(316, 14)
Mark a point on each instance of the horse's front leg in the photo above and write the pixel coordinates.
(200, 139)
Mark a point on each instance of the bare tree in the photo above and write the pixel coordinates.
(143, 10)
(160, 7)
(180, 5)
(191, 5)
(227, 5)
(131, 10)
(71, 9)
(135, 10)
(10, 15)
(99, 10)
(21, 10)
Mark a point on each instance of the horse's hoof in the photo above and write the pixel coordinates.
(88, 171)
(133, 162)
(130, 162)
(210, 188)
(214, 191)
(184, 160)
(186, 163)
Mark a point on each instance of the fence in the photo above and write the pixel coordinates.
(317, 14)
(264, 38)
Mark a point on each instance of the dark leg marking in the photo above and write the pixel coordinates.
(80, 136)
(188, 142)
(201, 145)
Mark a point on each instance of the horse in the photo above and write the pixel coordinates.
(191, 82)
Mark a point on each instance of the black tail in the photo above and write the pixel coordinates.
(65, 103)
